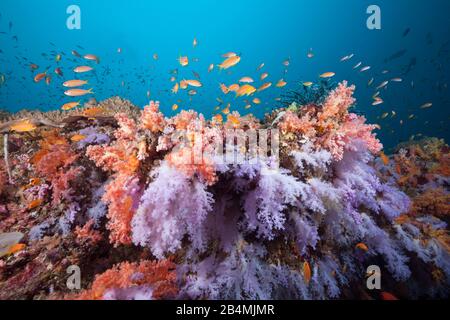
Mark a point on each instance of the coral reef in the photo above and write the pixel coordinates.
(151, 207)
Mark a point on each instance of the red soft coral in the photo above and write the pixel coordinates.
(160, 276)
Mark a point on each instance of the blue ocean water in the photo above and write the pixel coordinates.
(414, 34)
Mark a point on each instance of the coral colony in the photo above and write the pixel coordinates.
(296, 206)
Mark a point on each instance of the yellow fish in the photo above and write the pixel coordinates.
(175, 107)
(307, 84)
(70, 106)
(245, 90)
(23, 126)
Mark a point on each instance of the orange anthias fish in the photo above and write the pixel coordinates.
(92, 57)
(246, 80)
(194, 83)
(229, 55)
(384, 158)
(175, 107)
(306, 272)
(93, 112)
(264, 76)
(218, 118)
(224, 88)
(70, 106)
(175, 88)
(82, 69)
(78, 92)
(230, 62)
(78, 138)
(245, 90)
(16, 248)
(184, 61)
(265, 86)
(74, 83)
(327, 75)
(39, 77)
(256, 101)
(362, 247)
(281, 84)
(183, 84)
(34, 204)
(226, 111)
(234, 120)
(23, 126)
(48, 80)
(234, 87)
(33, 182)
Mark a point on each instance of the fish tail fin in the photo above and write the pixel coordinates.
(90, 91)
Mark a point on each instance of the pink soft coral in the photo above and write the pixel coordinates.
(185, 161)
(152, 119)
(337, 103)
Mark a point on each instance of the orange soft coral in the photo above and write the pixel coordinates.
(152, 119)
(160, 276)
(122, 195)
(87, 233)
(433, 201)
